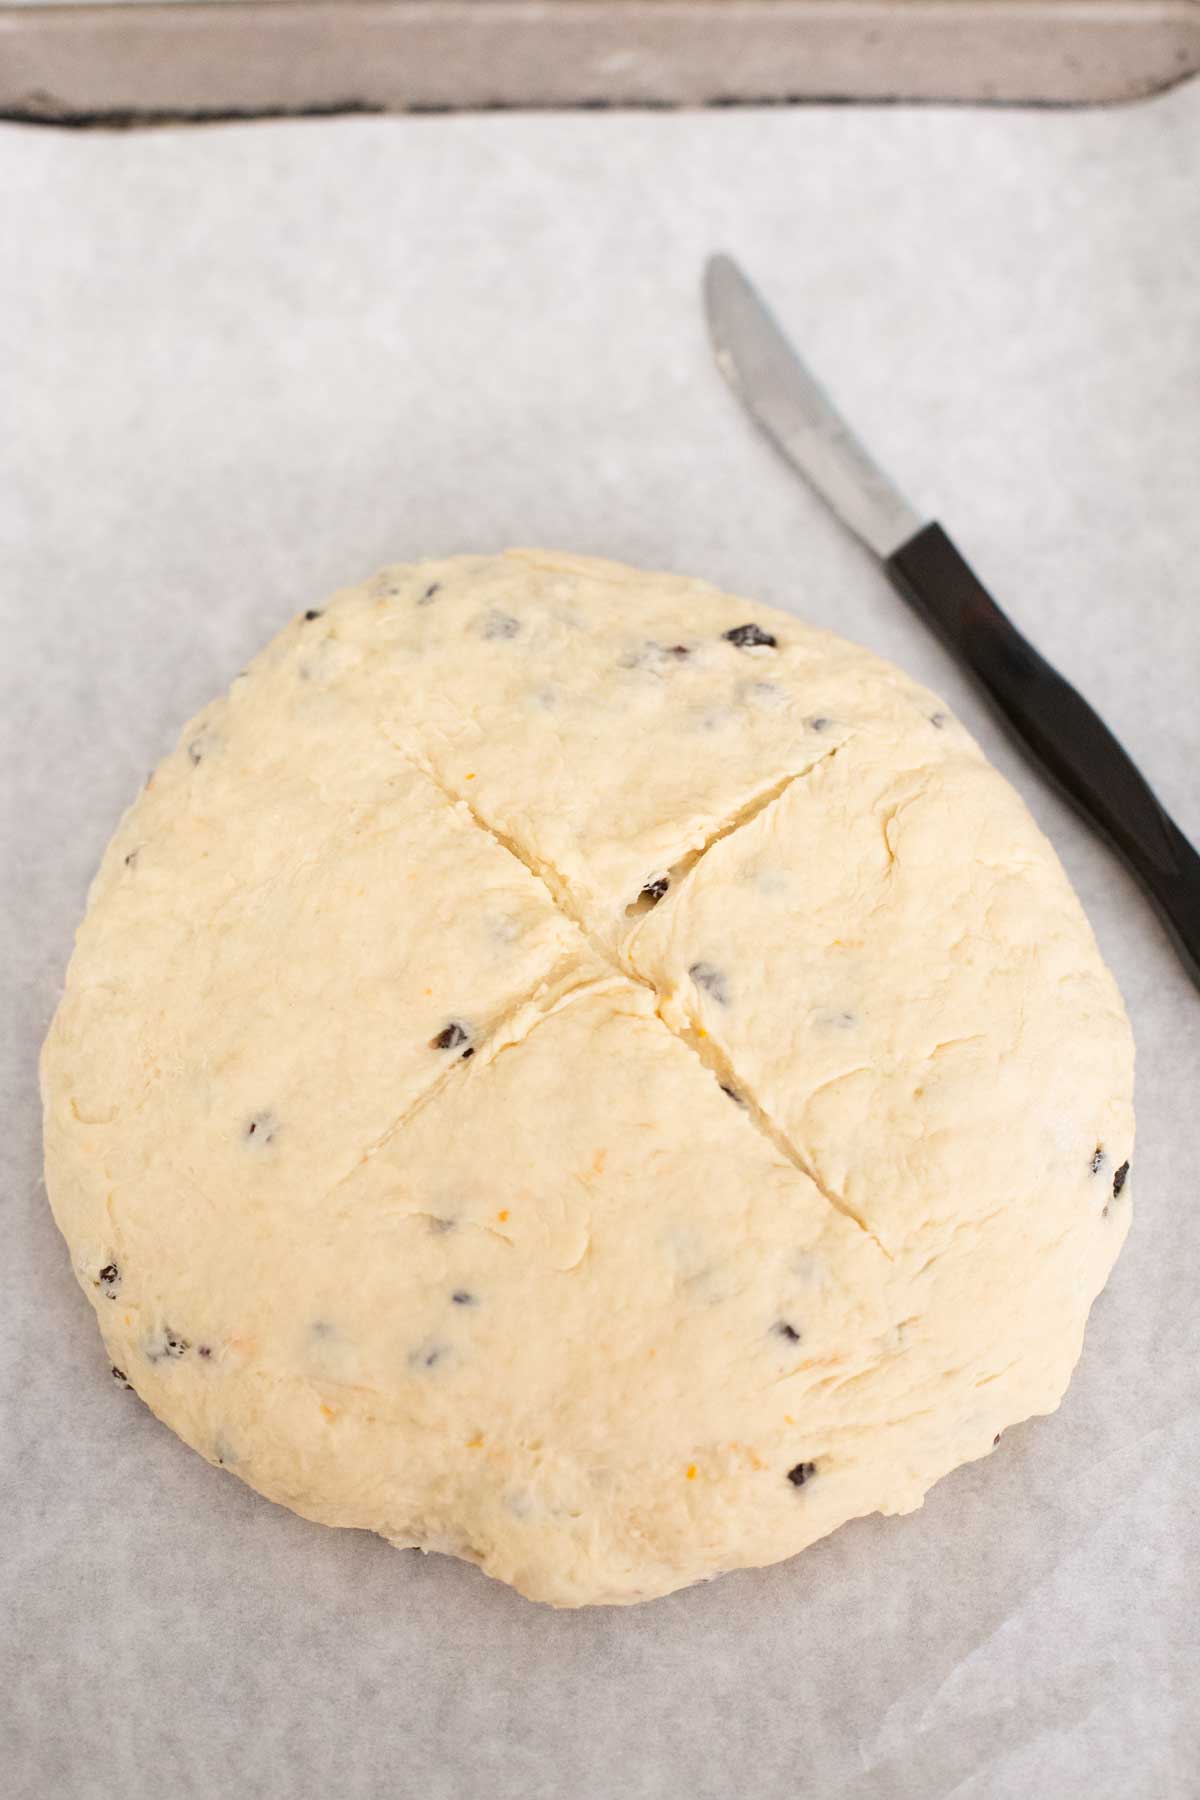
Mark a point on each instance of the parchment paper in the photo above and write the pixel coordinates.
(245, 364)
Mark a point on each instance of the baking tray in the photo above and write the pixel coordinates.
(240, 365)
(195, 59)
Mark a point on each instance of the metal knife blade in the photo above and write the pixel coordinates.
(791, 407)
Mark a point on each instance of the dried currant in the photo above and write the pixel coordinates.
(749, 637)
(706, 975)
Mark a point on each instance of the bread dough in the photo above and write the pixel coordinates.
(568, 1068)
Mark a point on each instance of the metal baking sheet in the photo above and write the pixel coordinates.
(221, 58)
(242, 365)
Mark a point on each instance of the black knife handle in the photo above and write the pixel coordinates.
(1072, 743)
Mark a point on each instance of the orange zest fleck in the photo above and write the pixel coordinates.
(788, 1419)
(691, 1471)
(329, 1411)
(599, 1160)
(503, 1216)
(474, 1443)
(700, 1031)
(469, 777)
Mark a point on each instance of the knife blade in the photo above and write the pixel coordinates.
(790, 406)
(1055, 725)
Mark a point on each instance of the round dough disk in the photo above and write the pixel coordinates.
(571, 1069)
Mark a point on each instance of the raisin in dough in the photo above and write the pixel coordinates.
(573, 1070)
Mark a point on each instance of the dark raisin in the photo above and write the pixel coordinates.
(467, 1053)
(461, 1297)
(784, 1330)
(654, 890)
(938, 721)
(109, 1279)
(820, 723)
(120, 1376)
(426, 1356)
(1097, 1160)
(707, 976)
(204, 1350)
(132, 858)
(749, 637)
(680, 652)
(995, 1440)
(164, 1342)
(1119, 1179)
(732, 1092)
(449, 1037)
(435, 587)
(801, 1473)
(261, 1128)
(314, 612)
(501, 625)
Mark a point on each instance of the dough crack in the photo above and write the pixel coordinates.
(693, 1039)
(745, 815)
(717, 1064)
(570, 979)
(543, 872)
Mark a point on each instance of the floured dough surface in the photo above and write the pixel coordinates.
(575, 1070)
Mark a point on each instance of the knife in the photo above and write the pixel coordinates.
(1055, 724)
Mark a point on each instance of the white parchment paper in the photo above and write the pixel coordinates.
(244, 364)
